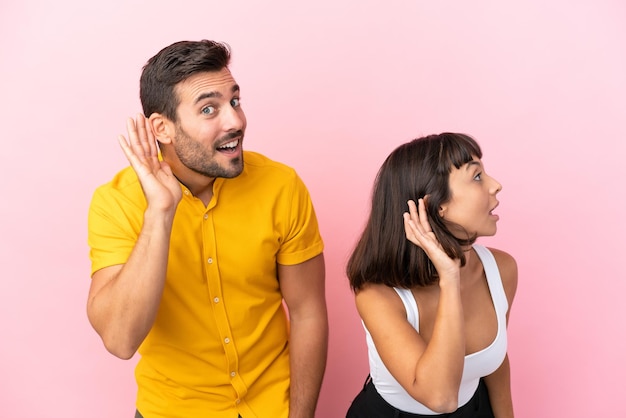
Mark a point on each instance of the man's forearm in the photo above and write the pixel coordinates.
(124, 299)
(308, 348)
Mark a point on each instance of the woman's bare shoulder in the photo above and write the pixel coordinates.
(378, 298)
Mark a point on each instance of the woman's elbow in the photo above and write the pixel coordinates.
(445, 406)
(441, 402)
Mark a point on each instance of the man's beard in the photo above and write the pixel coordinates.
(197, 158)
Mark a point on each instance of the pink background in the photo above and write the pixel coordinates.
(329, 87)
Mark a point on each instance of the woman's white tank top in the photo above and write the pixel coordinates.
(477, 365)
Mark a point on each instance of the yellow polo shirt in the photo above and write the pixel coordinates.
(219, 345)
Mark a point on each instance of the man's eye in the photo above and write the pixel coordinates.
(478, 176)
(208, 110)
(235, 102)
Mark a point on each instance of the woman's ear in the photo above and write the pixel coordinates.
(161, 128)
(442, 211)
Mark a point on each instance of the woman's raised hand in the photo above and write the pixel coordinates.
(419, 232)
(160, 186)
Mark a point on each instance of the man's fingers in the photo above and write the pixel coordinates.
(130, 155)
(145, 138)
(154, 151)
(133, 138)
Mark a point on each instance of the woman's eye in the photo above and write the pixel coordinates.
(208, 110)
(478, 176)
(235, 102)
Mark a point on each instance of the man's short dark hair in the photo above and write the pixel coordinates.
(173, 64)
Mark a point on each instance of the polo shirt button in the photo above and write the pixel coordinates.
(233, 374)
(206, 216)
(210, 261)
(237, 401)
(216, 300)
(187, 192)
(226, 340)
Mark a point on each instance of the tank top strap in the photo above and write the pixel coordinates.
(410, 306)
(493, 278)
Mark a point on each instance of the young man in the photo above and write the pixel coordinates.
(194, 250)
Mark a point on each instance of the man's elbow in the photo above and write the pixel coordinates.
(120, 346)
(118, 349)
(115, 343)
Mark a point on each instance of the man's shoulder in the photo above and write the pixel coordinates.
(263, 178)
(124, 185)
(257, 160)
(123, 181)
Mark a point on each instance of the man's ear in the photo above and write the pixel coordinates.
(162, 128)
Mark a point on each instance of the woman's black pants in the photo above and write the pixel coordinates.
(369, 404)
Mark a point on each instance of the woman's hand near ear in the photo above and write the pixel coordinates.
(420, 233)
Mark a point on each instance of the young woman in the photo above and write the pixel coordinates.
(434, 304)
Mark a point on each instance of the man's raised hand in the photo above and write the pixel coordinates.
(160, 186)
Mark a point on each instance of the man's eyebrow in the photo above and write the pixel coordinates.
(212, 94)
(207, 95)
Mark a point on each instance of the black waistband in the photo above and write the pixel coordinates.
(369, 403)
